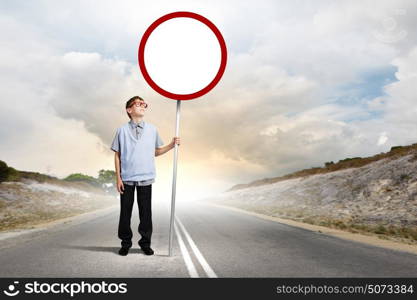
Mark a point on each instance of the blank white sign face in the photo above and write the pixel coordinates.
(182, 55)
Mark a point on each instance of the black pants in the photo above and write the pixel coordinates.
(144, 197)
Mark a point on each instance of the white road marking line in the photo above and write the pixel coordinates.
(187, 258)
(209, 271)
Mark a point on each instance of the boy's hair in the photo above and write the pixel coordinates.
(130, 101)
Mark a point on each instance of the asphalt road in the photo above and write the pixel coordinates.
(209, 242)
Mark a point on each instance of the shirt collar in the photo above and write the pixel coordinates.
(134, 125)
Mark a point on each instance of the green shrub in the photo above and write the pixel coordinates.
(8, 173)
(380, 229)
(4, 171)
(83, 178)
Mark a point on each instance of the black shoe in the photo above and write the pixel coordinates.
(124, 251)
(147, 250)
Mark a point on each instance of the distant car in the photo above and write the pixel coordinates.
(108, 187)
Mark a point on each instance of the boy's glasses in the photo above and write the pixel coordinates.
(141, 104)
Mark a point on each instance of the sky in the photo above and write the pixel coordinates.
(306, 82)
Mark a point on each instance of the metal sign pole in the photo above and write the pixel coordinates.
(174, 178)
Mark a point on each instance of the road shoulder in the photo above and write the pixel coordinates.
(361, 238)
(8, 238)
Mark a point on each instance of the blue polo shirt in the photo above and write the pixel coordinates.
(137, 152)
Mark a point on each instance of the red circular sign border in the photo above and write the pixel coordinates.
(141, 58)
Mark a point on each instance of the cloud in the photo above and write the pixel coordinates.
(398, 105)
(382, 138)
(278, 108)
(33, 136)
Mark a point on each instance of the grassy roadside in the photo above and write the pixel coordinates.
(404, 234)
(24, 207)
(347, 163)
(29, 221)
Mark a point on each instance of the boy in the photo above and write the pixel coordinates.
(136, 144)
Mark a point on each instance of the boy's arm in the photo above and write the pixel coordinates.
(119, 184)
(116, 148)
(117, 164)
(162, 150)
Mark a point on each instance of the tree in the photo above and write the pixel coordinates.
(106, 176)
(8, 173)
(328, 164)
(4, 171)
(82, 177)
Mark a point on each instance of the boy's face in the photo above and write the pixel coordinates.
(137, 108)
